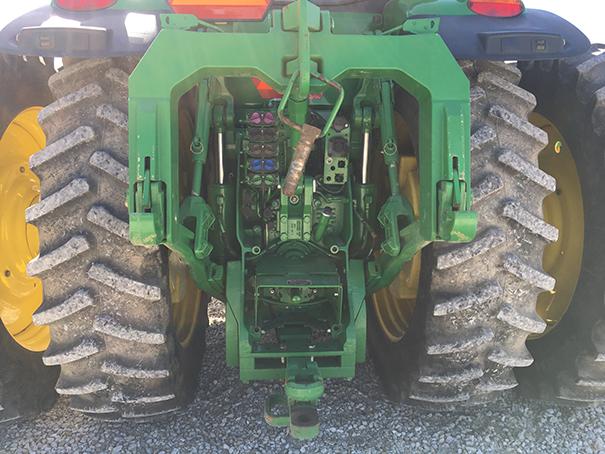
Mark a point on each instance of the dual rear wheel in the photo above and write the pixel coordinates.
(570, 361)
(126, 323)
(123, 325)
(26, 385)
(523, 303)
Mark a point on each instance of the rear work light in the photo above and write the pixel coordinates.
(497, 8)
(217, 10)
(84, 5)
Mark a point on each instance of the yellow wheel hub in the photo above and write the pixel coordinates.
(20, 295)
(186, 298)
(565, 210)
(395, 305)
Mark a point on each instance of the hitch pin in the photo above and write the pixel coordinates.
(221, 168)
(364, 167)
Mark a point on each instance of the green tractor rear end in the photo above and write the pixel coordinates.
(328, 172)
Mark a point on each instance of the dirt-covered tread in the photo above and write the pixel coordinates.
(73, 388)
(83, 348)
(70, 192)
(519, 101)
(489, 185)
(132, 399)
(91, 409)
(106, 163)
(481, 306)
(113, 367)
(518, 126)
(77, 302)
(527, 169)
(123, 284)
(598, 114)
(503, 70)
(26, 384)
(111, 114)
(526, 272)
(531, 324)
(75, 102)
(438, 398)
(519, 358)
(589, 76)
(504, 382)
(482, 298)
(107, 302)
(64, 253)
(75, 77)
(460, 342)
(484, 243)
(569, 363)
(106, 324)
(513, 210)
(474, 299)
(144, 414)
(454, 376)
(482, 138)
(71, 142)
(101, 217)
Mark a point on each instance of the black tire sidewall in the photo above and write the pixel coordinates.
(26, 384)
(559, 101)
(24, 84)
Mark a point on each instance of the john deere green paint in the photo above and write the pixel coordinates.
(294, 297)
(309, 164)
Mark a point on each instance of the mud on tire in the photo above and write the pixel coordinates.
(477, 303)
(108, 303)
(26, 385)
(570, 360)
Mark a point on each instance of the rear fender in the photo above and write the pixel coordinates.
(48, 32)
(534, 35)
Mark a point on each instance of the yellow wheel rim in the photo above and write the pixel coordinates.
(20, 295)
(565, 210)
(185, 295)
(186, 301)
(395, 305)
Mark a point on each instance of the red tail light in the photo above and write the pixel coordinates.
(265, 90)
(84, 5)
(222, 9)
(497, 8)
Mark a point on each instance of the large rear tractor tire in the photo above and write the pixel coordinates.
(570, 358)
(476, 303)
(26, 385)
(24, 84)
(127, 323)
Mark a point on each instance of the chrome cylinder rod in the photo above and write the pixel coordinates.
(364, 165)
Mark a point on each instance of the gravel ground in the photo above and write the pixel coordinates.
(226, 416)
